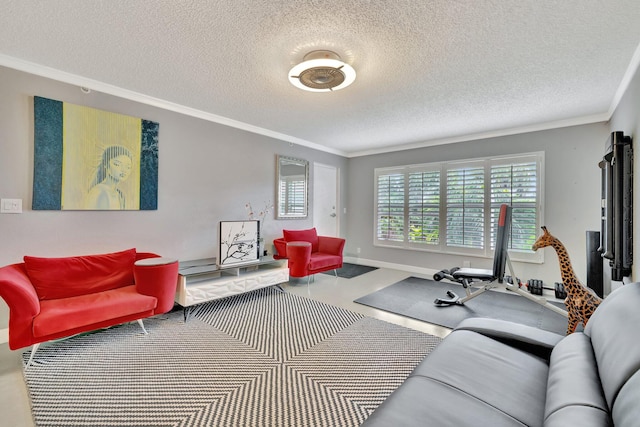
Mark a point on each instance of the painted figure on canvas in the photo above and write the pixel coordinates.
(115, 167)
(90, 159)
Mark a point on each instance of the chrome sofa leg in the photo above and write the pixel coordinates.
(142, 326)
(335, 271)
(33, 352)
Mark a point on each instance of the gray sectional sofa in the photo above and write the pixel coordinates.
(494, 373)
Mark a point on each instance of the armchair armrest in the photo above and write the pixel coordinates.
(281, 247)
(145, 255)
(157, 277)
(331, 245)
(533, 340)
(21, 297)
(299, 255)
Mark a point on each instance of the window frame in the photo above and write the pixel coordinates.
(441, 247)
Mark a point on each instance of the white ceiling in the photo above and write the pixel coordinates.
(428, 71)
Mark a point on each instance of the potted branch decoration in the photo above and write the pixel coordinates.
(262, 215)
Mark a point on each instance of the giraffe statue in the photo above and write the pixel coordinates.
(581, 301)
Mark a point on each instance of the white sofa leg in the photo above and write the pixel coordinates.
(142, 326)
(33, 352)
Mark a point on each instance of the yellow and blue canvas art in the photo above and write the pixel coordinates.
(90, 159)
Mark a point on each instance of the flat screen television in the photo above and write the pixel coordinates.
(616, 234)
(238, 243)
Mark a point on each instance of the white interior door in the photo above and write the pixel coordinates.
(325, 200)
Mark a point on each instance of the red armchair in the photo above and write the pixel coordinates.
(52, 298)
(309, 253)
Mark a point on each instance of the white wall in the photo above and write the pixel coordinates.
(572, 196)
(572, 191)
(626, 118)
(207, 173)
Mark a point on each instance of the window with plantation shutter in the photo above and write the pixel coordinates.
(390, 212)
(465, 207)
(424, 207)
(452, 207)
(516, 185)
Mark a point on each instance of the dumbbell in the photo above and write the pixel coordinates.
(509, 280)
(535, 286)
(560, 292)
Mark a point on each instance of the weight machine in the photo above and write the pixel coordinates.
(485, 279)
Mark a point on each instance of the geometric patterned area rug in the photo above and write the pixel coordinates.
(265, 358)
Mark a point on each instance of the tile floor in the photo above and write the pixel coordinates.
(14, 401)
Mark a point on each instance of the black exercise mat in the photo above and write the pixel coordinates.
(413, 297)
(349, 271)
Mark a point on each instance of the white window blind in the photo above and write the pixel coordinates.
(453, 206)
(465, 207)
(517, 185)
(390, 207)
(424, 207)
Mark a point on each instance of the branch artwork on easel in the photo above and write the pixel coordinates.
(239, 242)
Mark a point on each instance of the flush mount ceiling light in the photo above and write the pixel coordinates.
(322, 71)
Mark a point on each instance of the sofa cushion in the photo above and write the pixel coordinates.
(66, 314)
(625, 411)
(320, 261)
(424, 402)
(55, 278)
(574, 391)
(309, 235)
(575, 415)
(617, 355)
(480, 368)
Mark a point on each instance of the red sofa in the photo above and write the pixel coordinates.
(309, 253)
(52, 298)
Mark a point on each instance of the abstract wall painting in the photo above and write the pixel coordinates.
(90, 159)
(238, 243)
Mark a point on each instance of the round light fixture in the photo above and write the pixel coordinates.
(322, 71)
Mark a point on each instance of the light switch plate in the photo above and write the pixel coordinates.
(10, 205)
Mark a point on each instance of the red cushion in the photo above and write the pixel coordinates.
(281, 248)
(322, 262)
(86, 310)
(55, 278)
(309, 235)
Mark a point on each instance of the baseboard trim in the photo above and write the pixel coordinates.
(4, 335)
(429, 272)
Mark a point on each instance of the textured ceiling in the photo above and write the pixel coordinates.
(429, 72)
